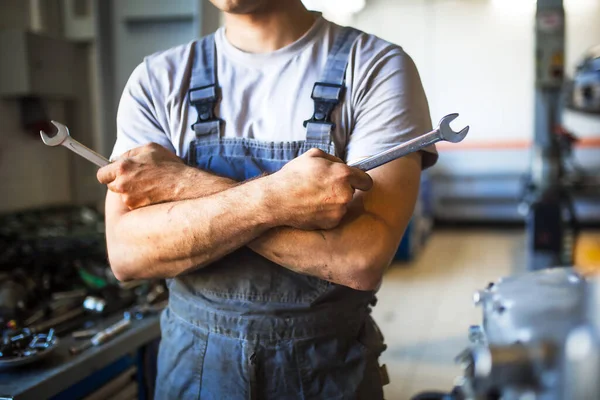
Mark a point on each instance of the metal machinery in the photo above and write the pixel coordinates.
(554, 179)
(527, 349)
(550, 218)
(519, 350)
(583, 93)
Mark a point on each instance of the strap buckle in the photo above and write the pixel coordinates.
(204, 99)
(326, 97)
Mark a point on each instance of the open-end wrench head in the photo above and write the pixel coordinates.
(446, 131)
(59, 138)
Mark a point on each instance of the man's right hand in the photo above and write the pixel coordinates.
(313, 191)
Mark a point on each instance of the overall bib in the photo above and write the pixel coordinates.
(245, 327)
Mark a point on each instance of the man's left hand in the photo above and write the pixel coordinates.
(146, 175)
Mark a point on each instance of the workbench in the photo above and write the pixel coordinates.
(61, 371)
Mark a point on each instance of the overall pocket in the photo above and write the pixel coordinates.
(180, 359)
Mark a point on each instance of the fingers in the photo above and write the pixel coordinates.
(132, 153)
(108, 173)
(314, 152)
(360, 180)
(146, 148)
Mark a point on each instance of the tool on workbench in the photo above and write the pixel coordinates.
(442, 132)
(103, 336)
(84, 334)
(25, 347)
(63, 138)
(53, 322)
(142, 311)
(94, 304)
(71, 294)
(135, 313)
(157, 293)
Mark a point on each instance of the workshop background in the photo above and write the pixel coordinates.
(68, 60)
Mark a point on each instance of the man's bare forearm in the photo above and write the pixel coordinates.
(166, 240)
(165, 218)
(354, 254)
(318, 253)
(344, 255)
(196, 183)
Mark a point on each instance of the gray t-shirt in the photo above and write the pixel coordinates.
(267, 96)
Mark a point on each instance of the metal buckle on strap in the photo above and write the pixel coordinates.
(204, 99)
(326, 97)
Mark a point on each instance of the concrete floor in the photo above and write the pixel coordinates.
(425, 307)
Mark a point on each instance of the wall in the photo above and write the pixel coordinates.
(31, 174)
(476, 58)
(129, 30)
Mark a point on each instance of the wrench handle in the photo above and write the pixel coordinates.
(85, 152)
(398, 151)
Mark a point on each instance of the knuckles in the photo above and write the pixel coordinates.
(152, 147)
(345, 196)
(133, 202)
(124, 166)
(314, 152)
(119, 186)
(342, 172)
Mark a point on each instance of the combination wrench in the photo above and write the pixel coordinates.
(63, 137)
(442, 132)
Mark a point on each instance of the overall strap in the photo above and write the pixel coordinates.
(203, 93)
(329, 90)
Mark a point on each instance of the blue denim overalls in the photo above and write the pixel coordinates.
(245, 327)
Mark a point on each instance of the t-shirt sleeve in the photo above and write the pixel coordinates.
(390, 107)
(137, 122)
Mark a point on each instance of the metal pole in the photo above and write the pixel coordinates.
(547, 232)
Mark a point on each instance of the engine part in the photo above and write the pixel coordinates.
(583, 93)
(538, 340)
(530, 307)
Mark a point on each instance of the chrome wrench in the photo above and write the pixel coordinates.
(442, 132)
(62, 137)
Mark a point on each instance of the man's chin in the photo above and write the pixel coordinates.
(240, 6)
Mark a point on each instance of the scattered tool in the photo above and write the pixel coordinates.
(84, 334)
(25, 346)
(63, 137)
(135, 313)
(94, 304)
(442, 132)
(103, 336)
(53, 322)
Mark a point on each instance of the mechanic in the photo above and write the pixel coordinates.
(272, 247)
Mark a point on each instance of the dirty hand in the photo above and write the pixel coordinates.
(146, 175)
(313, 191)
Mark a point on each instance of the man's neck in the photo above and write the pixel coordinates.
(269, 30)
